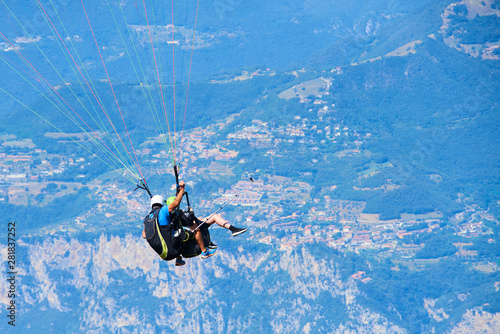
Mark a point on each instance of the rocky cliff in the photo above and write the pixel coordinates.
(118, 284)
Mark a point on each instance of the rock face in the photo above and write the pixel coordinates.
(117, 283)
(478, 321)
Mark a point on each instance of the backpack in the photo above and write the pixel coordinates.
(173, 240)
(165, 240)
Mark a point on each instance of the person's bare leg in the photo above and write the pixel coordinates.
(199, 240)
(219, 221)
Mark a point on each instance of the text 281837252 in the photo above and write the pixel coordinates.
(11, 272)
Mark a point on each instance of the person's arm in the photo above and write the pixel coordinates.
(178, 198)
(143, 234)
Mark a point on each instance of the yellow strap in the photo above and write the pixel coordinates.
(188, 235)
(163, 255)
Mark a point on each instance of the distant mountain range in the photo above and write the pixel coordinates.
(371, 126)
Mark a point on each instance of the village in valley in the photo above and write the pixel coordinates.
(278, 210)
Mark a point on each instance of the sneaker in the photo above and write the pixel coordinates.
(179, 262)
(207, 253)
(211, 245)
(237, 231)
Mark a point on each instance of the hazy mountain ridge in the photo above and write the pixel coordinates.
(431, 112)
(118, 284)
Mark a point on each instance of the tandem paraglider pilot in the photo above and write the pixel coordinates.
(175, 234)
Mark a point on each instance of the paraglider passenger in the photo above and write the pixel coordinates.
(193, 223)
(166, 214)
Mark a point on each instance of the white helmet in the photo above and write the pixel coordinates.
(157, 199)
